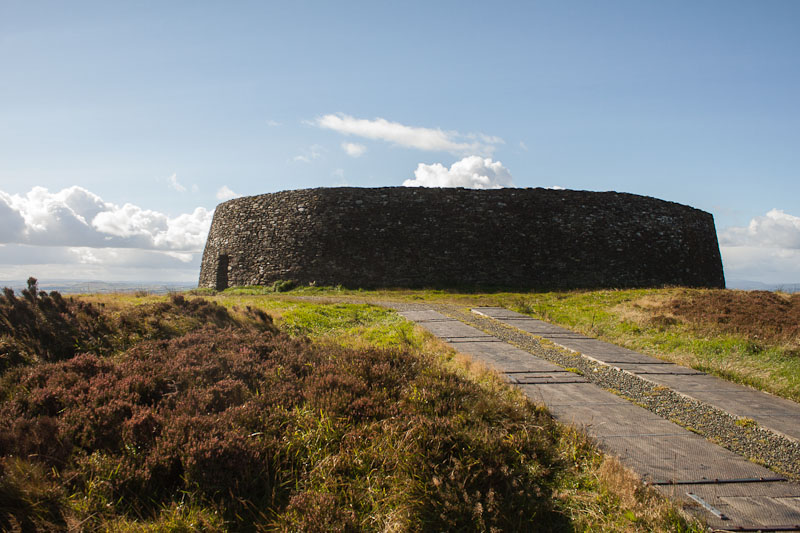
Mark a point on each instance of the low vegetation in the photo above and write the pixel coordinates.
(177, 414)
(38, 327)
(750, 337)
(747, 337)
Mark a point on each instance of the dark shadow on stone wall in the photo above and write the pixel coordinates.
(221, 282)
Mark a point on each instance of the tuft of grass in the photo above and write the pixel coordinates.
(745, 422)
(175, 518)
(30, 500)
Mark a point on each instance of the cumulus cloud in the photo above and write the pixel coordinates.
(767, 249)
(776, 229)
(130, 221)
(185, 232)
(410, 136)
(12, 224)
(472, 172)
(224, 193)
(77, 217)
(354, 149)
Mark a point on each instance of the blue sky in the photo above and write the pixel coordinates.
(123, 124)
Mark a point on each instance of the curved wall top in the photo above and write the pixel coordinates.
(460, 238)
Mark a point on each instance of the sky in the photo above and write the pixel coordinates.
(123, 124)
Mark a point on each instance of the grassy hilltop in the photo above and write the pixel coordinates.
(251, 410)
(750, 337)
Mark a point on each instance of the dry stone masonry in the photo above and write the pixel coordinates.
(460, 238)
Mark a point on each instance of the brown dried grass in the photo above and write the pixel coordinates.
(770, 317)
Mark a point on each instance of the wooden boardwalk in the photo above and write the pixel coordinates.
(777, 414)
(719, 486)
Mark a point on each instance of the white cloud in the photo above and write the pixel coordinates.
(273, 123)
(185, 232)
(410, 136)
(354, 149)
(39, 207)
(555, 188)
(86, 256)
(472, 172)
(77, 217)
(173, 182)
(130, 221)
(12, 223)
(224, 193)
(776, 229)
(767, 249)
(75, 234)
(523, 146)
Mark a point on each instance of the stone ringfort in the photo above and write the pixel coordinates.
(529, 239)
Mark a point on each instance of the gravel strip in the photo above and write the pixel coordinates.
(746, 438)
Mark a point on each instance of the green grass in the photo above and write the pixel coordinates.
(629, 318)
(619, 317)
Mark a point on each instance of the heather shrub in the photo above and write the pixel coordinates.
(265, 428)
(463, 466)
(41, 326)
(234, 426)
(318, 512)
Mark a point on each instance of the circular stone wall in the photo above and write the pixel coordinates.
(460, 238)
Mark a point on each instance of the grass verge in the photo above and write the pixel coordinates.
(747, 337)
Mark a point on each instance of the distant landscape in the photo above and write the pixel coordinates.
(79, 286)
(75, 286)
(746, 285)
